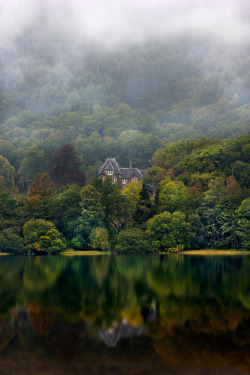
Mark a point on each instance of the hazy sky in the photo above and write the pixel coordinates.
(117, 21)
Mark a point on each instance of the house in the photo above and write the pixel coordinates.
(122, 175)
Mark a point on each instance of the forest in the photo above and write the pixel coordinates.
(176, 106)
(201, 200)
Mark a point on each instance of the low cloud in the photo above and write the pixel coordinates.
(117, 22)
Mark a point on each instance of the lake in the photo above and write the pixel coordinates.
(125, 314)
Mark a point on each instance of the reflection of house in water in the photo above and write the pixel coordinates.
(20, 316)
(112, 335)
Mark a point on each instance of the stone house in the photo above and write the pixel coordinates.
(124, 176)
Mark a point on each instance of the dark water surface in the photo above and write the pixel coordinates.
(125, 315)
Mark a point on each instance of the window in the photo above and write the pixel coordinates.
(124, 181)
(109, 173)
(134, 179)
(114, 180)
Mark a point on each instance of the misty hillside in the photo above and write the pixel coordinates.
(117, 89)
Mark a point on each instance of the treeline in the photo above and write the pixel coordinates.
(201, 200)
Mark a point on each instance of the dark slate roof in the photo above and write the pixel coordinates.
(111, 165)
(128, 173)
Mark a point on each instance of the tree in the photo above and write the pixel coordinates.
(42, 186)
(65, 209)
(42, 235)
(114, 203)
(172, 195)
(92, 215)
(170, 231)
(132, 193)
(11, 242)
(134, 241)
(35, 161)
(143, 207)
(66, 167)
(6, 175)
(99, 238)
(243, 226)
(52, 241)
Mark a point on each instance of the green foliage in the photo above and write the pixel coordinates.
(35, 161)
(35, 228)
(134, 241)
(143, 207)
(52, 241)
(41, 235)
(7, 173)
(170, 231)
(42, 186)
(64, 208)
(173, 195)
(243, 224)
(11, 242)
(91, 215)
(99, 238)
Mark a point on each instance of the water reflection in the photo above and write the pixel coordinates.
(127, 314)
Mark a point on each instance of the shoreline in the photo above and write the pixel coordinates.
(209, 252)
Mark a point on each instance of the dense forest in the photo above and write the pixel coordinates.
(178, 107)
(201, 200)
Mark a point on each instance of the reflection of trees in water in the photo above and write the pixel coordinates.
(103, 287)
(193, 309)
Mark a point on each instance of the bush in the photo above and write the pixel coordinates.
(134, 241)
(11, 242)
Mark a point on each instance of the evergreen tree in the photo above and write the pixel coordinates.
(66, 167)
(144, 207)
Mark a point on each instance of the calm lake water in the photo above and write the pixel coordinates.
(125, 315)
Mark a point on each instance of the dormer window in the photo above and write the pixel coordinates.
(109, 173)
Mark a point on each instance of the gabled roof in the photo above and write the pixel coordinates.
(111, 165)
(128, 173)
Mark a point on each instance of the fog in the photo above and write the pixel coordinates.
(115, 23)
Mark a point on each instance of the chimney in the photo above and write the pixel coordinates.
(130, 166)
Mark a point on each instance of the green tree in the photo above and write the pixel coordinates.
(114, 202)
(65, 209)
(42, 186)
(132, 193)
(11, 242)
(52, 241)
(134, 241)
(172, 196)
(144, 206)
(42, 235)
(7, 173)
(99, 238)
(92, 215)
(243, 223)
(34, 161)
(170, 231)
